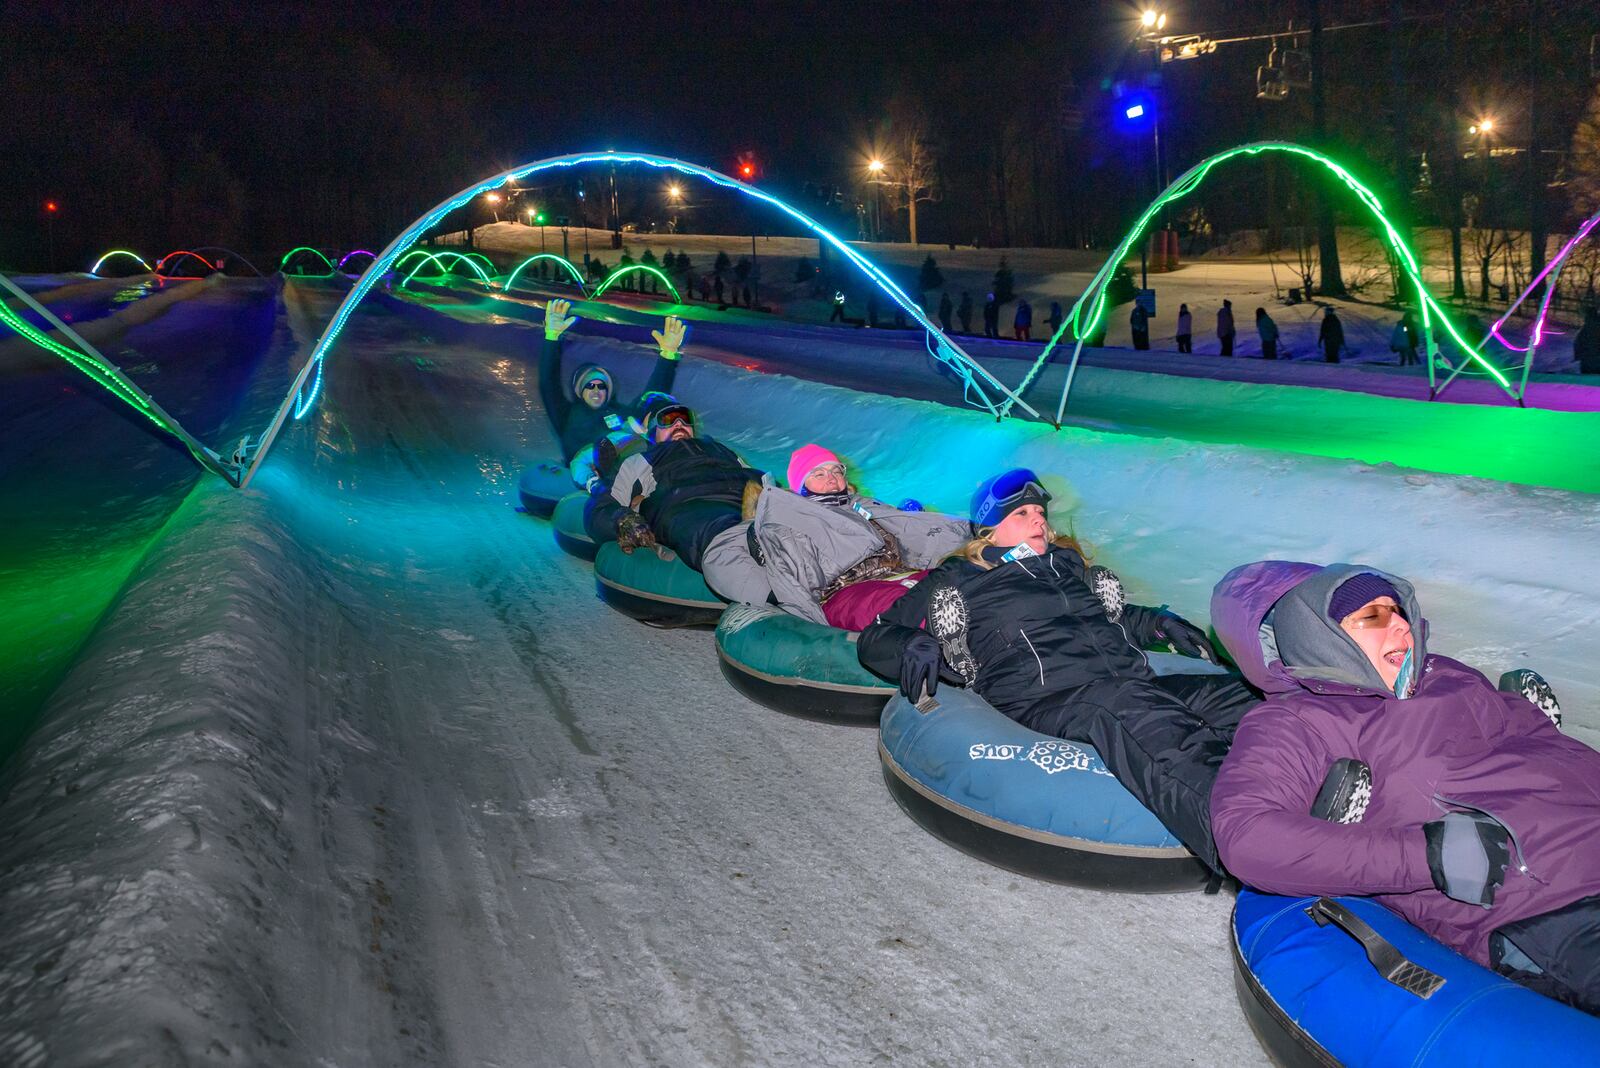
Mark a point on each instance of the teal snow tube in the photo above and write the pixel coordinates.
(796, 666)
(1026, 801)
(567, 524)
(654, 586)
(541, 486)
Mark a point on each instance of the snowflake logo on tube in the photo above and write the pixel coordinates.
(1060, 756)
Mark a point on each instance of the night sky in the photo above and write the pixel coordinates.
(336, 124)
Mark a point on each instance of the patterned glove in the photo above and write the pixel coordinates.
(634, 533)
(1467, 856)
(556, 319)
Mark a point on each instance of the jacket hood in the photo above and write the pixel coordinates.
(1272, 616)
(593, 370)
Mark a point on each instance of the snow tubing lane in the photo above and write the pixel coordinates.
(1034, 804)
(796, 666)
(568, 527)
(654, 590)
(541, 486)
(1313, 998)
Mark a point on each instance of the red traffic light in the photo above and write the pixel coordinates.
(51, 206)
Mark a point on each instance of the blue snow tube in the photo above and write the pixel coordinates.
(542, 486)
(654, 586)
(567, 524)
(1027, 801)
(796, 666)
(1314, 998)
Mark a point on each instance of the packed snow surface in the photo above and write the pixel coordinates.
(358, 771)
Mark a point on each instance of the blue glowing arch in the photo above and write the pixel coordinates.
(308, 383)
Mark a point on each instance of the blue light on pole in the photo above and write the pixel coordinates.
(1134, 111)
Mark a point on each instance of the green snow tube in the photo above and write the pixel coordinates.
(541, 486)
(796, 666)
(567, 523)
(654, 586)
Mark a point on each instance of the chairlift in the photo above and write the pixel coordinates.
(1297, 68)
(1270, 84)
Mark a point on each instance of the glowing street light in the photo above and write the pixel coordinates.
(675, 192)
(875, 166)
(1484, 125)
(1152, 19)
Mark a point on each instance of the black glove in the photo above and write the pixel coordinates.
(1185, 637)
(1467, 856)
(919, 666)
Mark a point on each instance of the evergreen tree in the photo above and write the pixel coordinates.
(669, 262)
(803, 271)
(722, 263)
(741, 270)
(930, 276)
(649, 260)
(597, 268)
(1003, 282)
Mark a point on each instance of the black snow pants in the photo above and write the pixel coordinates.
(1163, 738)
(1563, 945)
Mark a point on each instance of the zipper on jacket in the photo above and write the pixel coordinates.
(1035, 653)
(1516, 843)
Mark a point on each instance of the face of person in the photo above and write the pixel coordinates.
(675, 431)
(1381, 632)
(1025, 524)
(594, 392)
(826, 478)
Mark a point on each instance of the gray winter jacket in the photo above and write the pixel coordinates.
(807, 544)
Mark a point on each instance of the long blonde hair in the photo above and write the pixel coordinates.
(972, 551)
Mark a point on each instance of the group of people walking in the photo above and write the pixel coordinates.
(1373, 766)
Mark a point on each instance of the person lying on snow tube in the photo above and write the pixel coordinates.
(583, 416)
(836, 557)
(1021, 618)
(1461, 807)
(686, 492)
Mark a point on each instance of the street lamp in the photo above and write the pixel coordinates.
(1152, 19)
(875, 167)
(493, 198)
(675, 196)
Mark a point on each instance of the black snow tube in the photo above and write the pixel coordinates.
(567, 523)
(793, 665)
(542, 486)
(654, 586)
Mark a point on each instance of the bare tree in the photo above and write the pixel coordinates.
(1583, 166)
(913, 171)
(1488, 241)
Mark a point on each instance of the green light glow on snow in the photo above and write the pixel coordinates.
(633, 268)
(576, 275)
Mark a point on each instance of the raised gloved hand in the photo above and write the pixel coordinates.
(670, 337)
(556, 318)
(1185, 637)
(1467, 856)
(919, 666)
(634, 533)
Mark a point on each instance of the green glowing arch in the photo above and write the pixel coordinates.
(287, 256)
(577, 276)
(438, 258)
(1090, 308)
(634, 268)
(118, 252)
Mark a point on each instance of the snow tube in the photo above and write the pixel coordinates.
(654, 586)
(567, 523)
(1314, 998)
(1026, 801)
(796, 666)
(542, 486)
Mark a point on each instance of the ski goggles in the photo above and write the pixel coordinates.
(1374, 616)
(673, 417)
(1008, 491)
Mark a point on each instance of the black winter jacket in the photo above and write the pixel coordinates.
(576, 424)
(1035, 628)
(692, 491)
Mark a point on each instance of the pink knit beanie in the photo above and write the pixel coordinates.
(804, 460)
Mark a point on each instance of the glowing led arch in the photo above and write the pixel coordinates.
(577, 276)
(287, 256)
(438, 260)
(229, 251)
(634, 268)
(179, 254)
(348, 256)
(118, 252)
(308, 383)
(1090, 308)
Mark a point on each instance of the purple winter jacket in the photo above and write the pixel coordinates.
(1456, 744)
